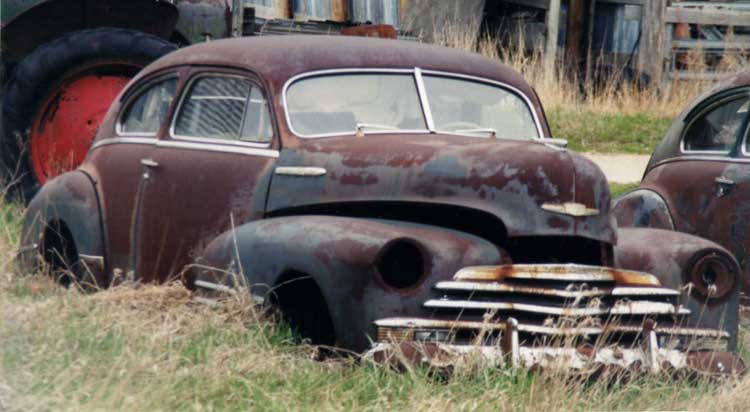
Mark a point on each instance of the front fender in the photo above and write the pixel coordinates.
(670, 256)
(340, 254)
(71, 199)
(643, 208)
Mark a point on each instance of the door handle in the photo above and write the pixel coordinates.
(149, 163)
(725, 186)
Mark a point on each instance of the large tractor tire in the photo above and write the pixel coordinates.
(58, 95)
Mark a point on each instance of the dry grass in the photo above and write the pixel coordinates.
(140, 347)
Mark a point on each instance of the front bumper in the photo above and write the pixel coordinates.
(569, 317)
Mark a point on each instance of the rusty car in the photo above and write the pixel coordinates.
(384, 196)
(698, 178)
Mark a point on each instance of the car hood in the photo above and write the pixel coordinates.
(533, 188)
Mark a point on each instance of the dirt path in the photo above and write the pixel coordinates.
(621, 168)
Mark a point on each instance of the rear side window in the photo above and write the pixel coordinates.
(145, 114)
(717, 128)
(224, 108)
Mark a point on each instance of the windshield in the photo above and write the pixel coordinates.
(350, 103)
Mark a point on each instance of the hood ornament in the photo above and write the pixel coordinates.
(571, 209)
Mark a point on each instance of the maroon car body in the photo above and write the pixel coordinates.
(698, 179)
(456, 221)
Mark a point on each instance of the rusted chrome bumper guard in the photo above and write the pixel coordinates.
(576, 318)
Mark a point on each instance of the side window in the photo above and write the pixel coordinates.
(145, 114)
(224, 108)
(717, 129)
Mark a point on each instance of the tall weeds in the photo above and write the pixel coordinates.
(568, 88)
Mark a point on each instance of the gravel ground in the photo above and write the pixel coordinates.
(621, 168)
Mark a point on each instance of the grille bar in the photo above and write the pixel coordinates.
(422, 323)
(618, 309)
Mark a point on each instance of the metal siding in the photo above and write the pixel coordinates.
(319, 9)
(376, 11)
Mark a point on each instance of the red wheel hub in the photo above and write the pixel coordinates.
(66, 123)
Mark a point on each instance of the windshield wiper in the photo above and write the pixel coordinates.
(491, 132)
(362, 126)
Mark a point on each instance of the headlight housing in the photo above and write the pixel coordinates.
(713, 277)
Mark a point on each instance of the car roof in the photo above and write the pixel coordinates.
(278, 58)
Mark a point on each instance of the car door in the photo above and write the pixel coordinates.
(211, 170)
(709, 184)
(114, 160)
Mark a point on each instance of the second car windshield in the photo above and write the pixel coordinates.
(348, 103)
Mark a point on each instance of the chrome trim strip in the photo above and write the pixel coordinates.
(238, 143)
(568, 294)
(422, 96)
(301, 171)
(124, 140)
(422, 91)
(643, 291)
(629, 308)
(422, 323)
(507, 288)
(701, 159)
(176, 144)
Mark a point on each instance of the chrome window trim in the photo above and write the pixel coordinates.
(706, 158)
(745, 141)
(417, 73)
(186, 91)
(145, 86)
(124, 140)
(426, 108)
(709, 107)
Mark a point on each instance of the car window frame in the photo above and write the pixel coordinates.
(417, 73)
(133, 94)
(703, 109)
(218, 72)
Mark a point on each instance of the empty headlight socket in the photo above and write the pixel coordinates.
(401, 265)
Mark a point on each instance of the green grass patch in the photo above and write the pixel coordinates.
(619, 189)
(608, 133)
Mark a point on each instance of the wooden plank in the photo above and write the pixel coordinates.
(574, 36)
(710, 45)
(654, 45)
(340, 10)
(707, 16)
(553, 27)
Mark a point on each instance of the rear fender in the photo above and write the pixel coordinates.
(670, 256)
(71, 199)
(643, 208)
(342, 256)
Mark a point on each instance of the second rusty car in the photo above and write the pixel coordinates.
(698, 179)
(383, 195)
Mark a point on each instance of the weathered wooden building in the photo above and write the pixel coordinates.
(640, 36)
